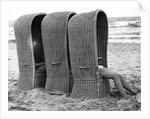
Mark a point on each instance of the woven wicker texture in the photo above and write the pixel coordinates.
(88, 35)
(28, 29)
(55, 42)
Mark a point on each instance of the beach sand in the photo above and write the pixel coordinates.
(124, 58)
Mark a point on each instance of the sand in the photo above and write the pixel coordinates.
(124, 58)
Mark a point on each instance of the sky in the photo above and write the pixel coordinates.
(15, 9)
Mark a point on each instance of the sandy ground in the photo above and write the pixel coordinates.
(124, 58)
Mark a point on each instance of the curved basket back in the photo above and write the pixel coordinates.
(55, 40)
(27, 29)
(88, 42)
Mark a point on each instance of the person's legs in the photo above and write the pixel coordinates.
(116, 77)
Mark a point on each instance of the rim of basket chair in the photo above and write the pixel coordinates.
(69, 13)
(96, 17)
(33, 15)
(95, 27)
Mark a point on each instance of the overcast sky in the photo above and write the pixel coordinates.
(112, 8)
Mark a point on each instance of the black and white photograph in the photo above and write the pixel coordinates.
(75, 56)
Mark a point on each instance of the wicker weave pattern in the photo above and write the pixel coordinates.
(54, 34)
(25, 51)
(86, 32)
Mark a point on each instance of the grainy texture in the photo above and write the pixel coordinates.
(26, 58)
(88, 37)
(55, 42)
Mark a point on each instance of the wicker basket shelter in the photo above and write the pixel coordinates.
(55, 42)
(30, 51)
(88, 37)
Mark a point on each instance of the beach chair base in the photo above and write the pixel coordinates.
(88, 89)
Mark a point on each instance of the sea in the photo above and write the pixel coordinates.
(121, 29)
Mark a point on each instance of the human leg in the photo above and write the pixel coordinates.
(116, 77)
